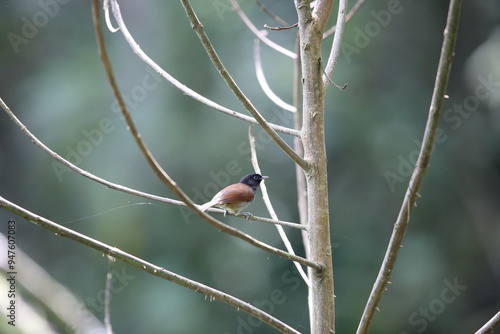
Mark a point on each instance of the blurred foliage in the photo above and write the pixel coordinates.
(54, 82)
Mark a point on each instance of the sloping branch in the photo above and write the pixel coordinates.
(438, 95)
(489, 326)
(261, 78)
(270, 208)
(336, 44)
(155, 270)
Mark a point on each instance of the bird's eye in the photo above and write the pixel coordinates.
(255, 177)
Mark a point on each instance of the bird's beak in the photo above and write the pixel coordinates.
(265, 177)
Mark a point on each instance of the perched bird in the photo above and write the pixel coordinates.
(236, 197)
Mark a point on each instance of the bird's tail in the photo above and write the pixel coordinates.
(205, 206)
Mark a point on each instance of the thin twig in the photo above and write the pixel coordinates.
(348, 17)
(330, 80)
(270, 208)
(205, 41)
(281, 28)
(260, 34)
(438, 95)
(146, 266)
(261, 78)
(488, 327)
(183, 88)
(268, 12)
(269, 221)
(118, 187)
(161, 173)
(336, 44)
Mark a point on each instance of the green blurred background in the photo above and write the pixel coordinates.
(447, 277)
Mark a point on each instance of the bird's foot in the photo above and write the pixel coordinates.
(247, 215)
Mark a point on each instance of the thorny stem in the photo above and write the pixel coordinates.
(438, 95)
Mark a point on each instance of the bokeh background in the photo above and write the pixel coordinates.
(447, 276)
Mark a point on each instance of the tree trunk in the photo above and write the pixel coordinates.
(321, 296)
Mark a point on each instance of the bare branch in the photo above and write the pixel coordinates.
(261, 34)
(438, 95)
(270, 208)
(261, 78)
(146, 266)
(490, 325)
(161, 173)
(205, 41)
(183, 88)
(336, 44)
(281, 28)
(349, 16)
(298, 146)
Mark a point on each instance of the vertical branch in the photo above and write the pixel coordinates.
(321, 296)
(444, 67)
(300, 177)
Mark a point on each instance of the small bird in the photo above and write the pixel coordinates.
(238, 196)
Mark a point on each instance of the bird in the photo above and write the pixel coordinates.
(236, 197)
